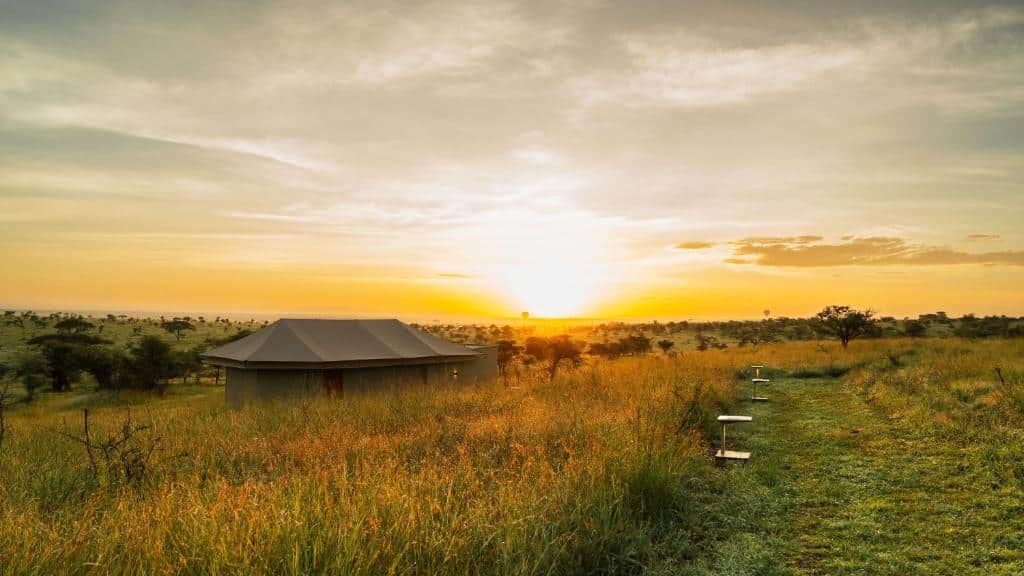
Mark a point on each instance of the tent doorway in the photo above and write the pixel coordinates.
(334, 383)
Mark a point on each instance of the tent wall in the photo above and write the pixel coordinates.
(360, 380)
(481, 369)
(244, 386)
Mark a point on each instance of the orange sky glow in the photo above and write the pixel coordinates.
(472, 160)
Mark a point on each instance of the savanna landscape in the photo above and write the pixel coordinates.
(511, 287)
(897, 454)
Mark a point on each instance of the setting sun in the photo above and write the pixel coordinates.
(554, 288)
(554, 267)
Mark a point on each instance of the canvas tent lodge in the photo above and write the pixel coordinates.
(302, 358)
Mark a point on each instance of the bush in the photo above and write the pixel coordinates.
(827, 371)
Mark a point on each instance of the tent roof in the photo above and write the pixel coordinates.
(323, 343)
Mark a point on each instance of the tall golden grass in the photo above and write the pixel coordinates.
(567, 476)
(597, 471)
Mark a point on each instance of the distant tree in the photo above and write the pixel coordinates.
(7, 320)
(178, 326)
(767, 332)
(845, 323)
(153, 363)
(190, 362)
(707, 342)
(602, 349)
(914, 328)
(638, 344)
(64, 354)
(6, 399)
(31, 369)
(107, 366)
(73, 325)
(508, 351)
(803, 331)
(554, 351)
(665, 345)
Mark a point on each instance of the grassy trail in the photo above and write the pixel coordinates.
(857, 493)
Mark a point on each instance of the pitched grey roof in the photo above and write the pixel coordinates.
(325, 343)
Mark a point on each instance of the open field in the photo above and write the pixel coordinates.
(891, 457)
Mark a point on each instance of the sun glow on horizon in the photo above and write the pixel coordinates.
(551, 287)
(551, 269)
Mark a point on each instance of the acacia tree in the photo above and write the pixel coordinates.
(555, 350)
(153, 363)
(30, 367)
(177, 327)
(64, 353)
(845, 322)
(665, 345)
(914, 328)
(6, 396)
(508, 351)
(73, 325)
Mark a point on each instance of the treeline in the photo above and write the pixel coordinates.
(76, 346)
(623, 339)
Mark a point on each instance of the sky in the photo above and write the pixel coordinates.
(669, 160)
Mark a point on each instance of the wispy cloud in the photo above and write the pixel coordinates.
(875, 251)
(949, 62)
(693, 245)
(677, 71)
(271, 216)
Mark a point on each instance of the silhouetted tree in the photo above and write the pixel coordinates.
(31, 369)
(189, 362)
(64, 355)
(73, 325)
(153, 363)
(508, 351)
(6, 399)
(914, 328)
(638, 344)
(845, 323)
(706, 342)
(107, 365)
(178, 326)
(665, 345)
(555, 350)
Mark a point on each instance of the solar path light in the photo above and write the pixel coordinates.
(758, 380)
(723, 454)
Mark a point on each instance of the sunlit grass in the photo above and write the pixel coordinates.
(593, 472)
(577, 475)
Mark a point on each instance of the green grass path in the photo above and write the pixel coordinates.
(836, 487)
